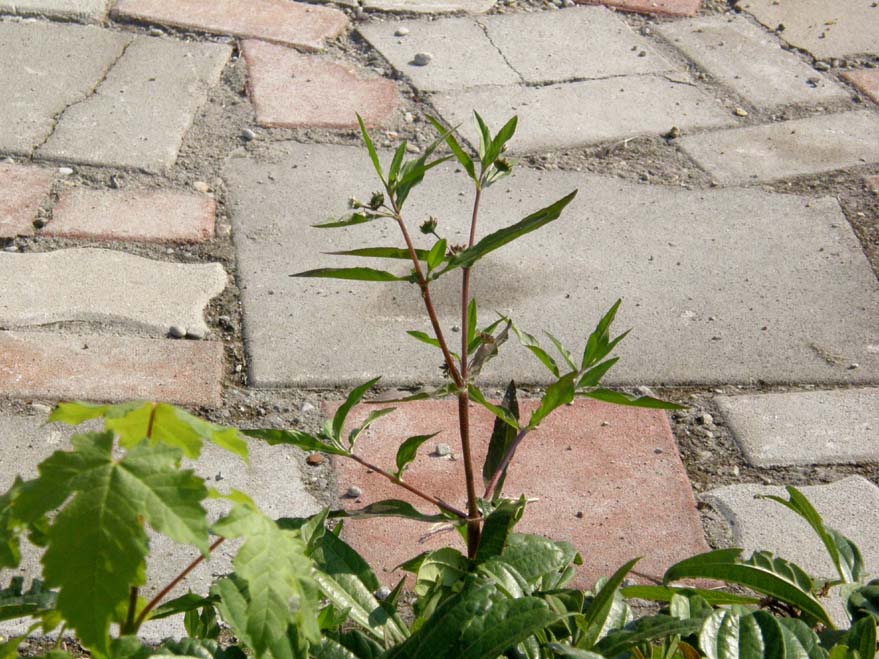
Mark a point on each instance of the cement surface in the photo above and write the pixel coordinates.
(708, 302)
(750, 60)
(79, 10)
(140, 112)
(788, 148)
(803, 428)
(44, 69)
(431, 6)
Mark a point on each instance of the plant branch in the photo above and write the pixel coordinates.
(505, 461)
(128, 627)
(439, 503)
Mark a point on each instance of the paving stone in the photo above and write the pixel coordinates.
(138, 215)
(789, 148)
(873, 183)
(280, 21)
(662, 7)
(580, 113)
(750, 60)
(138, 115)
(625, 478)
(44, 68)
(272, 478)
(99, 285)
(825, 29)
(708, 302)
(597, 44)
(866, 80)
(78, 10)
(110, 368)
(804, 428)
(431, 6)
(455, 44)
(290, 90)
(21, 191)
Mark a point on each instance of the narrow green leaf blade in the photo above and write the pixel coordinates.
(461, 156)
(349, 220)
(436, 255)
(595, 616)
(665, 593)
(477, 396)
(617, 398)
(409, 449)
(296, 438)
(399, 253)
(353, 398)
(557, 394)
(388, 508)
(354, 274)
(497, 528)
(503, 435)
(370, 147)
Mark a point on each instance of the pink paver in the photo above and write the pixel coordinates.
(866, 80)
(626, 479)
(291, 90)
(281, 21)
(147, 215)
(21, 191)
(666, 7)
(110, 368)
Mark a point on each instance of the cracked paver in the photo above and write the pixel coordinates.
(660, 7)
(22, 189)
(431, 6)
(106, 286)
(77, 10)
(866, 81)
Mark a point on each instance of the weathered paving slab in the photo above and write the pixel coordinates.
(708, 302)
(866, 80)
(280, 21)
(110, 368)
(580, 113)
(661, 7)
(825, 29)
(431, 6)
(750, 61)
(272, 478)
(454, 43)
(290, 90)
(801, 428)
(607, 479)
(45, 68)
(100, 285)
(22, 189)
(788, 148)
(78, 10)
(137, 215)
(138, 115)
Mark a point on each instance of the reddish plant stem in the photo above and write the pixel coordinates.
(439, 503)
(505, 461)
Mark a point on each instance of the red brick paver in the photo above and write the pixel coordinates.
(149, 216)
(866, 80)
(281, 21)
(21, 191)
(109, 368)
(290, 90)
(626, 479)
(665, 7)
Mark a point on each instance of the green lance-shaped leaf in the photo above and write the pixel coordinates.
(773, 577)
(183, 604)
(460, 155)
(533, 345)
(478, 397)
(413, 171)
(497, 528)
(496, 147)
(503, 435)
(353, 398)
(408, 450)
(843, 552)
(370, 147)
(564, 352)
(349, 220)
(372, 417)
(598, 345)
(645, 630)
(506, 624)
(354, 274)
(484, 137)
(15, 602)
(399, 253)
(862, 637)
(562, 650)
(864, 601)
(557, 394)
(10, 548)
(388, 508)
(472, 324)
(436, 255)
(596, 615)
(665, 594)
(396, 162)
(295, 438)
(618, 398)
(737, 633)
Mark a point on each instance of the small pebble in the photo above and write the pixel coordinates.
(65, 171)
(392, 135)
(579, 514)
(401, 31)
(735, 471)
(201, 186)
(156, 32)
(673, 134)
(39, 223)
(382, 593)
(604, 424)
(114, 182)
(412, 148)
(645, 391)
(305, 408)
(39, 407)
(353, 492)
(10, 248)
(409, 117)
(176, 331)
(248, 135)
(740, 112)
(422, 59)
(853, 366)
(195, 334)
(442, 450)
(705, 419)
(822, 66)
(315, 459)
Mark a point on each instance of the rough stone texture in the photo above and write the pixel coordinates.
(801, 428)
(866, 80)
(873, 183)
(750, 60)
(580, 113)
(272, 478)
(824, 28)
(790, 148)
(21, 191)
(455, 43)
(626, 479)
(99, 285)
(431, 6)
(140, 112)
(708, 302)
(597, 44)
(45, 68)
(110, 368)
(662, 7)
(289, 90)
(137, 215)
(78, 10)
(279, 21)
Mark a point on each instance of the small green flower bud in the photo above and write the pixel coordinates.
(354, 202)
(503, 165)
(376, 200)
(428, 226)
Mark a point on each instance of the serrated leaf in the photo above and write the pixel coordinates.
(370, 147)
(502, 437)
(460, 155)
(388, 508)
(801, 641)
(497, 528)
(400, 253)
(596, 614)
(543, 562)
(296, 438)
(557, 394)
(408, 450)
(507, 623)
(477, 396)
(15, 602)
(566, 355)
(598, 344)
(353, 274)
(618, 398)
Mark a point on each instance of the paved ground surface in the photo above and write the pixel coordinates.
(161, 164)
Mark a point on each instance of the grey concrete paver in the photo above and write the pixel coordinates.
(750, 60)
(581, 113)
(22, 189)
(802, 428)
(822, 27)
(98, 285)
(709, 302)
(789, 148)
(454, 43)
(431, 6)
(140, 112)
(79, 10)
(44, 68)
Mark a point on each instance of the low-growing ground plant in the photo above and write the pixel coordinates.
(299, 590)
